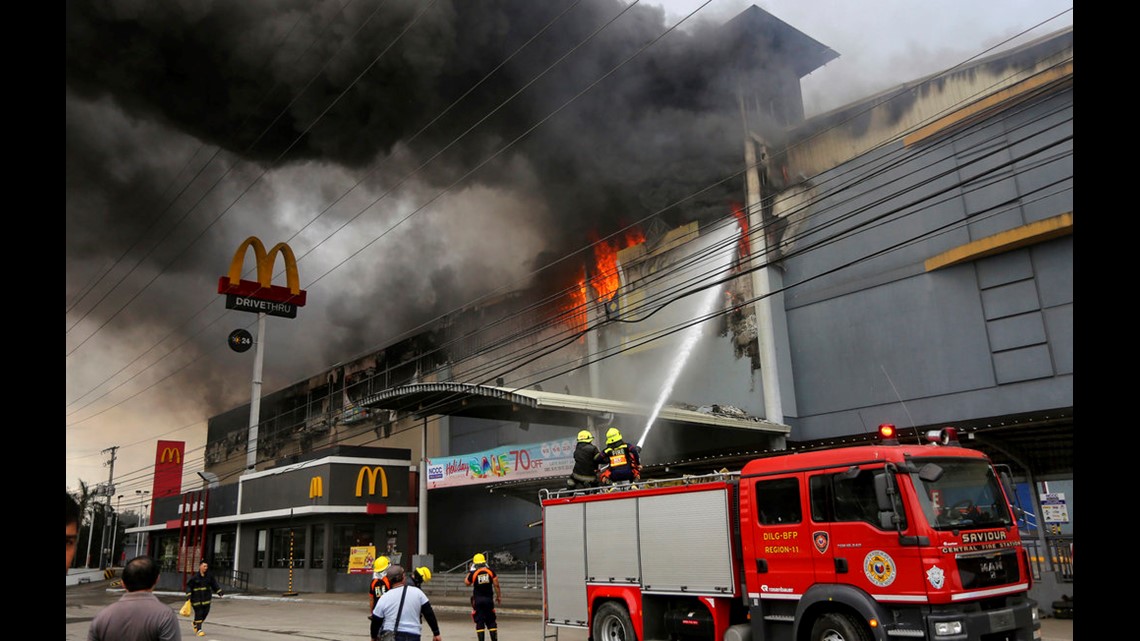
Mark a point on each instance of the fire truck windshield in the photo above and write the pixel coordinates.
(967, 495)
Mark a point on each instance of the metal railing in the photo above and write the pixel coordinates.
(1056, 557)
(619, 486)
(235, 580)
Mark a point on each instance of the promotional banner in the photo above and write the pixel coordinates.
(360, 558)
(507, 463)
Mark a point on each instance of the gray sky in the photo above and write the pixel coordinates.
(192, 125)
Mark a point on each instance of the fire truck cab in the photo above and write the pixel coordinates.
(882, 541)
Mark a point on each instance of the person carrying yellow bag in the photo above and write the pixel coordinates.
(199, 589)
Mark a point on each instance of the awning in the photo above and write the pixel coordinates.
(484, 401)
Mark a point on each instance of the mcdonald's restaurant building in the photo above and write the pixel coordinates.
(292, 526)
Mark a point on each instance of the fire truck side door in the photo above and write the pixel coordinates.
(864, 553)
(781, 543)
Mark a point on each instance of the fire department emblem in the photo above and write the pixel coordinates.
(879, 568)
(821, 541)
(936, 577)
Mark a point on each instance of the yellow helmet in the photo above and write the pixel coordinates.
(612, 436)
(381, 564)
(425, 574)
(585, 436)
(479, 558)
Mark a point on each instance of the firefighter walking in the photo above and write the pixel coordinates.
(485, 593)
(199, 589)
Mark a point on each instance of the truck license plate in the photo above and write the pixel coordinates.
(1001, 620)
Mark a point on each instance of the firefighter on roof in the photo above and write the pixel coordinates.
(585, 473)
(484, 583)
(624, 460)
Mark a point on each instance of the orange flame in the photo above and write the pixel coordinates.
(574, 307)
(745, 248)
(604, 281)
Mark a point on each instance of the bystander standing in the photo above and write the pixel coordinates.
(138, 615)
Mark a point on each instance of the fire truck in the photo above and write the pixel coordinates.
(875, 541)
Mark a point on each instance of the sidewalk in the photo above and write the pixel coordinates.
(529, 604)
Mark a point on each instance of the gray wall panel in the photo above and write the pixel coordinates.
(1007, 300)
(1004, 268)
(1059, 327)
(1023, 364)
(1053, 262)
(916, 337)
(1017, 331)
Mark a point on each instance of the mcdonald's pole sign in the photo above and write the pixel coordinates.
(168, 468)
(261, 295)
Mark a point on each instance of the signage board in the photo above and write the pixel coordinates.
(507, 463)
(360, 559)
(1054, 509)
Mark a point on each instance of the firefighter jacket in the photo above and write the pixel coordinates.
(586, 459)
(200, 587)
(483, 580)
(376, 589)
(624, 461)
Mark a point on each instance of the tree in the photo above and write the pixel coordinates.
(84, 498)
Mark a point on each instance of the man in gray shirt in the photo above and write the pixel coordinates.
(138, 615)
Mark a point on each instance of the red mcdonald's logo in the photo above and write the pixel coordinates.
(171, 455)
(262, 288)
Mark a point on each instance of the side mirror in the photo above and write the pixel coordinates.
(883, 494)
(1008, 487)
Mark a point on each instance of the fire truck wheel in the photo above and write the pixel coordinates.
(835, 626)
(611, 623)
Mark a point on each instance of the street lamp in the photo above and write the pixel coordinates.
(139, 547)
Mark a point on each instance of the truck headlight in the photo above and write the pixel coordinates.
(947, 628)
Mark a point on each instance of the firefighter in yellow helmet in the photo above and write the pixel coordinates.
(585, 473)
(624, 460)
(379, 585)
(484, 583)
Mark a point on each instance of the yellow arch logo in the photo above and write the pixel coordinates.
(316, 488)
(372, 473)
(263, 288)
(172, 455)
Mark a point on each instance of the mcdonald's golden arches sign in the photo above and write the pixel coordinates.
(262, 295)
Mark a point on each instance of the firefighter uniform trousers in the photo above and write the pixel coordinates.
(483, 603)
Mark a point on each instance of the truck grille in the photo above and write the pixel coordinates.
(985, 569)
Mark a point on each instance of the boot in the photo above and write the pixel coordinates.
(480, 633)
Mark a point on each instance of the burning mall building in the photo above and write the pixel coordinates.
(905, 259)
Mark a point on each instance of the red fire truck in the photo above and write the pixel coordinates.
(880, 541)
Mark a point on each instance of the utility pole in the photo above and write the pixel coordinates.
(109, 490)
